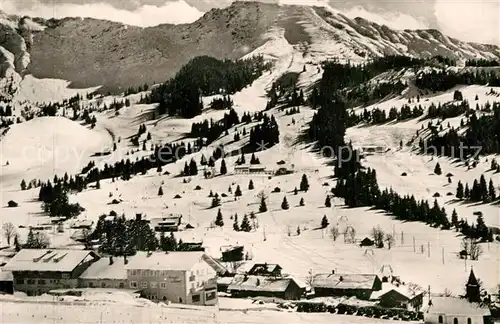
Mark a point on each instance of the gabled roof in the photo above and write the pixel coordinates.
(402, 290)
(231, 248)
(456, 306)
(49, 260)
(264, 267)
(472, 279)
(344, 281)
(177, 261)
(101, 269)
(259, 283)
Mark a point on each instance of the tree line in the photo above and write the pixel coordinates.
(204, 76)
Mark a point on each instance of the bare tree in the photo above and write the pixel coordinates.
(334, 231)
(472, 248)
(310, 277)
(389, 239)
(9, 231)
(378, 236)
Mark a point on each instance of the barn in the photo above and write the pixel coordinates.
(358, 285)
(266, 286)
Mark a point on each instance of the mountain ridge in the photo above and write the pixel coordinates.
(92, 52)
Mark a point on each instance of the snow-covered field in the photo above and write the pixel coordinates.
(422, 255)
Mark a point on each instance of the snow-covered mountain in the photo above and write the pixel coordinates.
(90, 52)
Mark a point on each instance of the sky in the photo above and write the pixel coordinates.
(469, 20)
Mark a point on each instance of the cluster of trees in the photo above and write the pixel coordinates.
(479, 231)
(482, 132)
(264, 135)
(478, 192)
(379, 116)
(482, 63)
(245, 225)
(292, 111)
(55, 198)
(212, 130)
(133, 90)
(368, 93)
(5, 112)
(222, 103)
(442, 80)
(448, 110)
(204, 76)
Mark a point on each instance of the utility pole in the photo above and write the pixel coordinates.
(428, 249)
(442, 254)
(402, 238)
(414, 250)
(264, 232)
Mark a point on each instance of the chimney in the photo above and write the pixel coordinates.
(110, 260)
(333, 271)
(138, 217)
(125, 261)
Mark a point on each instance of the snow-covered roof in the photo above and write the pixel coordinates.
(260, 268)
(178, 261)
(101, 269)
(48, 260)
(456, 306)
(343, 281)
(403, 290)
(6, 275)
(259, 283)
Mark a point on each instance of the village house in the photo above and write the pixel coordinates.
(37, 271)
(401, 296)
(169, 223)
(232, 253)
(265, 286)
(179, 277)
(265, 269)
(359, 285)
(451, 310)
(105, 273)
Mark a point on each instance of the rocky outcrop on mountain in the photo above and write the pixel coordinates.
(90, 52)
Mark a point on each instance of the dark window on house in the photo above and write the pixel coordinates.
(41, 282)
(91, 284)
(192, 278)
(440, 319)
(469, 321)
(20, 281)
(180, 300)
(210, 295)
(196, 298)
(122, 285)
(31, 282)
(103, 285)
(455, 320)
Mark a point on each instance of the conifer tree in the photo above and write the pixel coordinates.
(454, 218)
(324, 222)
(460, 190)
(237, 192)
(98, 184)
(193, 168)
(304, 184)
(328, 202)
(301, 203)
(236, 226)
(160, 191)
(23, 185)
(203, 160)
(295, 191)
(298, 230)
(223, 168)
(494, 165)
(17, 245)
(245, 224)
(437, 169)
(250, 185)
(491, 191)
(263, 205)
(284, 204)
(219, 220)
(186, 169)
(466, 191)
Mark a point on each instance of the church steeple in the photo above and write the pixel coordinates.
(472, 288)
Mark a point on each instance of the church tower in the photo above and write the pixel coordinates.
(472, 288)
